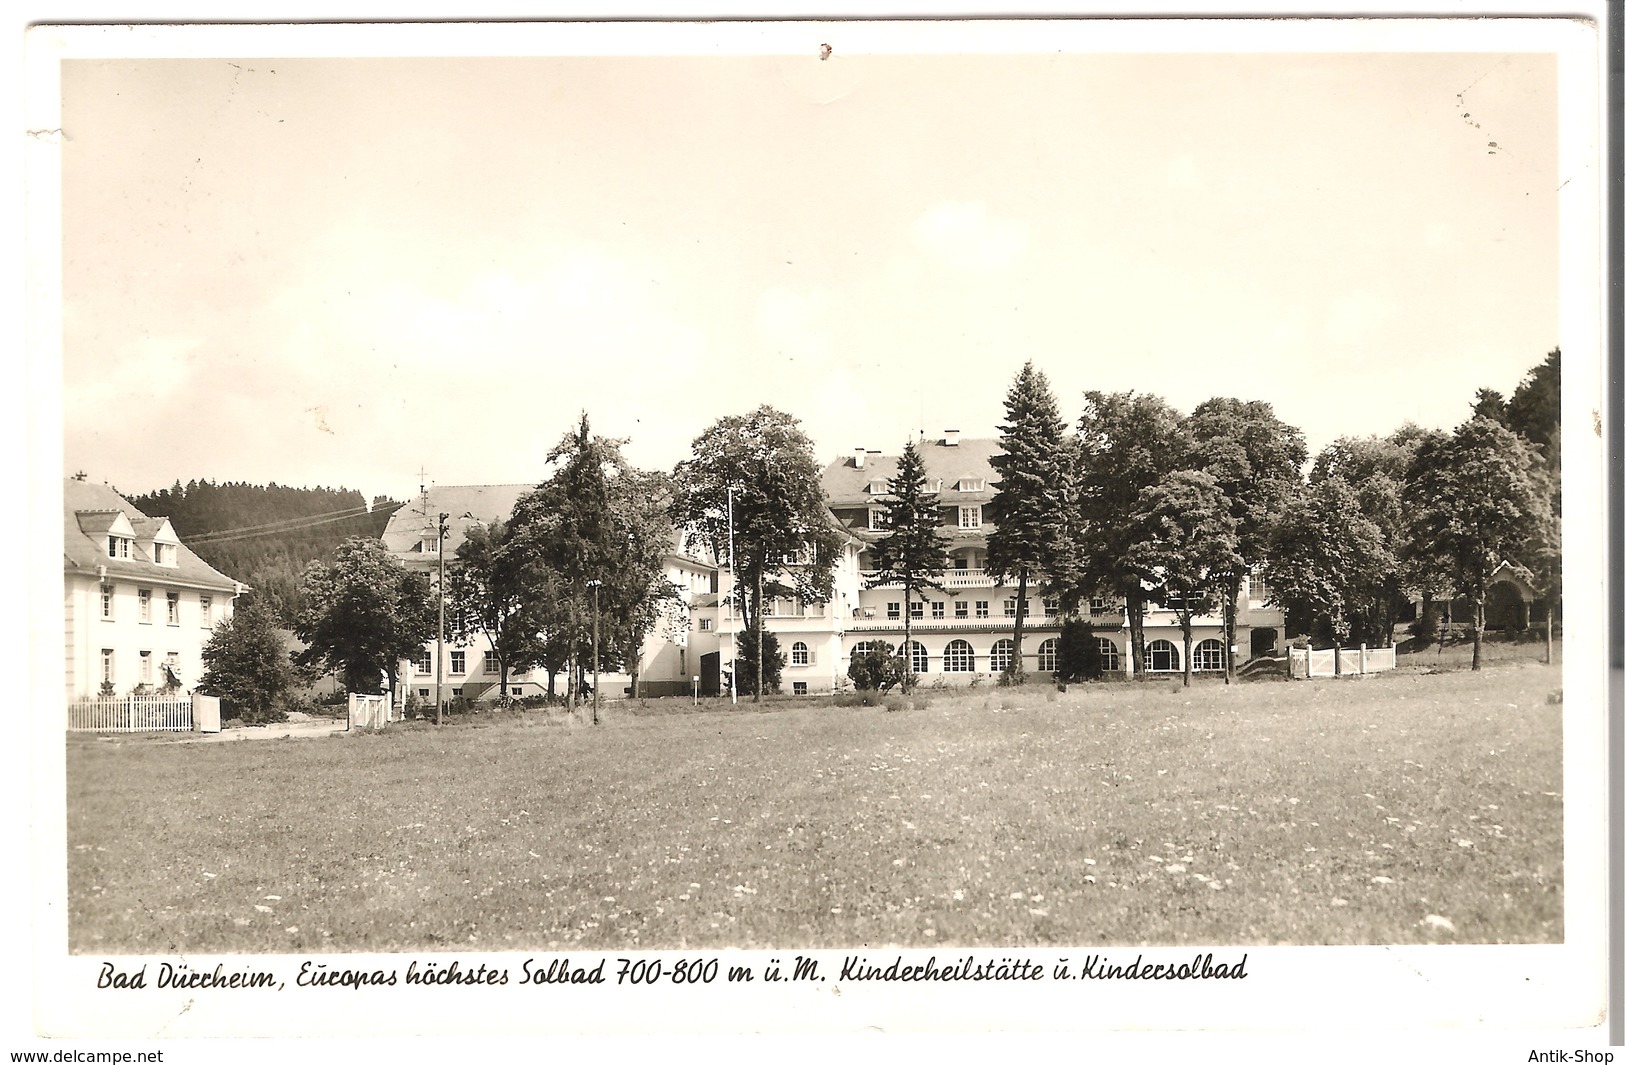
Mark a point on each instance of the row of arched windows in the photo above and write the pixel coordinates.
(1162, 656)
(960, 657)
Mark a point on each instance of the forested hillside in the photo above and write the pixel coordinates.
(265, 535)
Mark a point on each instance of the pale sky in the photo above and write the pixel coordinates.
(337, 271)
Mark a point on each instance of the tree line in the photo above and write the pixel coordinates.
(1133, 500)
(265, 535)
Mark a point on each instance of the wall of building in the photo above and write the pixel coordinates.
(127, 636)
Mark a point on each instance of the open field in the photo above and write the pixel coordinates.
(1311, 812)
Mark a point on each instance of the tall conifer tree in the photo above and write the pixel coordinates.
(1030, 508)
(914, 554)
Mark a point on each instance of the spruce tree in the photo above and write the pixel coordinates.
(913, 554)
(1031, 504)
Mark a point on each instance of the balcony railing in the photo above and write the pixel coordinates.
(954, 578)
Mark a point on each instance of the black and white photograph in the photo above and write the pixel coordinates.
(811, 526)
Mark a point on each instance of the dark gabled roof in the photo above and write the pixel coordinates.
(847, 485)
(488, 503)
(90, 510)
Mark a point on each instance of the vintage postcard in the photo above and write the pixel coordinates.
(676, 527)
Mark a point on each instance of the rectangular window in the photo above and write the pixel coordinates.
(205, 609)
(457, 692)
(491, 663)
(798, 687)
(705, 624)
(879, 518)
(144, 597)
(894, 611)
(146, 667)
(112, 547)
(1009, 608)
(961, 608)
(107, 602)
(423, 693)
(939, 609)
(981, 608)
(516, 691)
(1051, 607)
(118, 547)
(174, 612)
(459, 661)
(970, 517)
(172, 664)
(425, 663)
(972, 484)
(107, 665)
(878, 487)
(916, 609)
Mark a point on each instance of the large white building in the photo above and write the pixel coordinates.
(138, 604)
(959, 635)
(967, 630)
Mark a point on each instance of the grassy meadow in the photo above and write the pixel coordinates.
(1414, 806)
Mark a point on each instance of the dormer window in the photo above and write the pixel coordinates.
(878, 487)
(118, 547)
(972, 484)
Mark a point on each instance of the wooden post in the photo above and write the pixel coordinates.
(1309, 661)
(1362, 658)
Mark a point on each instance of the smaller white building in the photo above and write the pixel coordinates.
(138, 604)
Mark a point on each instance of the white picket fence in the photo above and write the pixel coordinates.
(130, 713)
(1306, 663)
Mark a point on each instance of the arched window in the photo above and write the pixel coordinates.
(1209, 654)
(861, 648)
(1164, 656)
(917, 660)
(798, 654)
(1046, 656)
(999, 660)
(1109, 660)
(958, 658)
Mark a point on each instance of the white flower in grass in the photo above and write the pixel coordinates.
(1438, 924)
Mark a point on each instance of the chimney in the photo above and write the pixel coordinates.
(950, 438)
(857, 458)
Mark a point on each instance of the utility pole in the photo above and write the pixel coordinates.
(595, 585)
(440, 633)
(733, 592)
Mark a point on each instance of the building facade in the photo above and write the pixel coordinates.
(966, 632)
(138, 604)
(960, 635)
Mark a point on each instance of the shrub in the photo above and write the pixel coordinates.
(1425, 629)
(1077, 652)
(247, 667)
(878, 670)
(745, 664)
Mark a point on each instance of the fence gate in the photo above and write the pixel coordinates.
(368, 711)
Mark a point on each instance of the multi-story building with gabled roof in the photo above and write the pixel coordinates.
(138, 604)
(967, 630)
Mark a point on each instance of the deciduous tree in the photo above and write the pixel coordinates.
(1184, 546)
(761, 469)
(363, 614)
(1126, 443)
(1475, 500)
(1257, 462)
